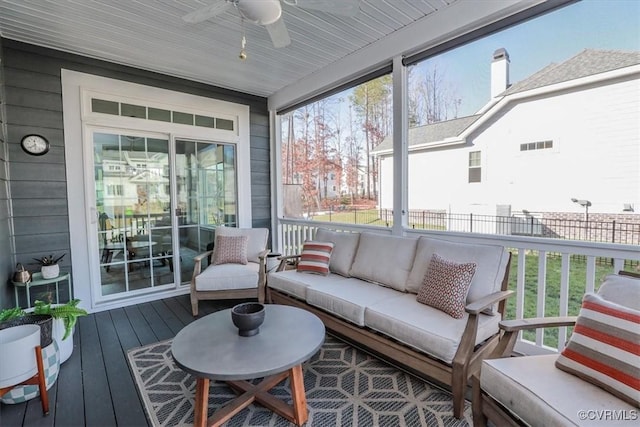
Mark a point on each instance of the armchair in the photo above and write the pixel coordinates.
(537, 391)
(231, 275)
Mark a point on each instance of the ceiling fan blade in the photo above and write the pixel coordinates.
(336, 7)
(279, 33)
(202, 14)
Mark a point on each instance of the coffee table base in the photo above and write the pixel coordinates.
(296, 413)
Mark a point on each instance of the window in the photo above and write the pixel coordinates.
(114, 190)
(540, 145)
(474, 166)
(493, 96)
(330, 169)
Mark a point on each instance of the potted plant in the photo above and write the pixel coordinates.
(50, 268)
(65, 317)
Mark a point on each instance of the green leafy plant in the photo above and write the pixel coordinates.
(11, 313)
(68, 312)
(49, 260)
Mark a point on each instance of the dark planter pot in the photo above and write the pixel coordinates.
(248, 317)
(45, 321)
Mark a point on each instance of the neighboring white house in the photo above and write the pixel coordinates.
(571, 130)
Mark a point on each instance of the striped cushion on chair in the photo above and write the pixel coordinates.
(315, 257)
(604, 348)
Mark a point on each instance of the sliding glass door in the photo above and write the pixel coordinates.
(157, 205)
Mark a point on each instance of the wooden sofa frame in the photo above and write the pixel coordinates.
(484, 406)
(466, 361)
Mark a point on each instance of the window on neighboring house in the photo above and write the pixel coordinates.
(474, 166)
(538, 145)
(114, 190)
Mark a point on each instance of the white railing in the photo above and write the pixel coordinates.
(594, 259)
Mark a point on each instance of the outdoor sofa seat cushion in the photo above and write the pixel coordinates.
(228, 276)
(422, 327)
(296, 284)
(348, 299)
(541, 394)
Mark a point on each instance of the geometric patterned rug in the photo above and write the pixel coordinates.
(344, 387)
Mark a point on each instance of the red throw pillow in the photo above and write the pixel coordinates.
(446, 284)
(315, 257)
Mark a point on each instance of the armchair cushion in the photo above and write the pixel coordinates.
(227, 277)
(623, 290)
(446, 284)
(604, 348)
(315, 257)
(256, 239)
(230, 250)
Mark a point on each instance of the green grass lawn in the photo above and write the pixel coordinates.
(577, 280)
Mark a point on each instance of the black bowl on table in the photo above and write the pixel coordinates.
(248, 317)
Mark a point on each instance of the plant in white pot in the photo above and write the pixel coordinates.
(50, 268)
(65, 317)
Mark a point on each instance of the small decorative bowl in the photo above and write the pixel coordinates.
(248, 317)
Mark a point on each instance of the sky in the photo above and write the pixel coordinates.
(551, 38)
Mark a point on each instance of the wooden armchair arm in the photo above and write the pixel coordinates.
(197, 267)
(198, 258)
(262, 275)
(485, 302)
(536, 322)
(511, 328)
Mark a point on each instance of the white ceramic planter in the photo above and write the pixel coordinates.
(50, 271)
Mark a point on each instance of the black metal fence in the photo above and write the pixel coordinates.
(616, 229)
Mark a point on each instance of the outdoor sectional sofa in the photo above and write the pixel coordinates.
(369, 297)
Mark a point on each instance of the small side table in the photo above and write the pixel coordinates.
(37, 280)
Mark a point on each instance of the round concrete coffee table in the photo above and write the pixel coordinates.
(211, 349)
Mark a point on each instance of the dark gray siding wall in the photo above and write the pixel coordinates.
(34, 105)
(6, 255)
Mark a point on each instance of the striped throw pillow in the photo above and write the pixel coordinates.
(315, 257)
(604, 348)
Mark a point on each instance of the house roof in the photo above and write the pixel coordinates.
(432, 132)
(586, 63)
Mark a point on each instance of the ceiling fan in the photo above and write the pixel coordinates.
(268, 13)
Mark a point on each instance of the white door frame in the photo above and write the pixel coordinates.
(77, 91)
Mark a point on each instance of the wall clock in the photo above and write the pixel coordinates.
(35, 144)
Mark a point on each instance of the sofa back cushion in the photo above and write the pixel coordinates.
(345, 245)
(256, 239)
(384, 259)
(491, 263)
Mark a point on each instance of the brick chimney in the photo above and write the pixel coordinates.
(499, 72)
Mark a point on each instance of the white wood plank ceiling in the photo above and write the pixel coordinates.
(150, 34)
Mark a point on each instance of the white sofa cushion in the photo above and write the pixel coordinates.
(295, 284)
(256, 243)
(344, 249)
(623, 290)
(422, 327)
(228, 276)
(491, 263)
(384, 259)
(349, 298)
(541, 394)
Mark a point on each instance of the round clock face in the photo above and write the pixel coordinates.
(35, 144)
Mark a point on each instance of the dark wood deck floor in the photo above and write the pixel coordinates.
(95, 386)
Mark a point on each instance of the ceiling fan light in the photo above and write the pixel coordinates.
(261, 12)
